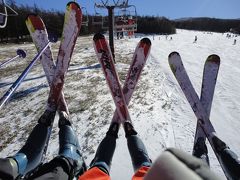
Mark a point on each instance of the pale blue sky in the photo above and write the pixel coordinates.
(169, 8)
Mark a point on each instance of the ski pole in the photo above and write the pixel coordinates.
(20, 53)
(15, 85)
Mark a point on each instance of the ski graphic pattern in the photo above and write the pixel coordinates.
(105, 58)
(38, 32)
(210, 74)
(39, 36)
(71, 29)
(139, 60)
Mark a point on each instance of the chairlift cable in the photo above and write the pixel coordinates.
(105, 4)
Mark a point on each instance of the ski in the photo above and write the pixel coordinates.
(210, 74)
(38, 32)
(31, 160)
(105, 58)
(71, 29)
(138, 62)
(227, 159)
(139, 59)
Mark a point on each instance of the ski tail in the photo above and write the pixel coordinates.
(227, 158)
(210, 74)
(139, 59)
(105, 58)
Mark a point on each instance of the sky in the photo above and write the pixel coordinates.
(172, 9)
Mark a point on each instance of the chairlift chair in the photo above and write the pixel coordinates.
(4, 13)
(126, 19)
(97, 19)
(85, 18)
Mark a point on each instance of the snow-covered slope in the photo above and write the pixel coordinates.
(158, 108)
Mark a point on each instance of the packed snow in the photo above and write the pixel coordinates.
(159, 110)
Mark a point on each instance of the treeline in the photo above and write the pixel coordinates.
(16, 30)
(209, 24)
(157, 25)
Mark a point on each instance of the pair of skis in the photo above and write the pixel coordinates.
(121, 96)
(202, 107)
(55, 73)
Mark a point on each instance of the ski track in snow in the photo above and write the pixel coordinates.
(158, 109)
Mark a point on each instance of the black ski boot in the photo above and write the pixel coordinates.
(129, 129)
(63, 119)
(47, 118)
(200, 150)
(113, 130)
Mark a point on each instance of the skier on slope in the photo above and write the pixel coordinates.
(195, 39)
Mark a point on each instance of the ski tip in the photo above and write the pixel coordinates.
(73, 3)
(98, 36)
(146, 41)
(21, 53)
(213, 58)
(172, 58)
(31, 15)
(35, 21)
(173, 54)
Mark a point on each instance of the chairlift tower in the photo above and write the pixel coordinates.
(111, 19)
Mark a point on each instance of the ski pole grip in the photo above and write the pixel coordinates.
(229, 160)
(21, 53)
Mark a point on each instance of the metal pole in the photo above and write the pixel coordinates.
(110, 28)
(15, 85)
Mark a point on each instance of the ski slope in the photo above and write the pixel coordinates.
(159, 110)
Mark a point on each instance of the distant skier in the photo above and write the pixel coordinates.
(235, 42)
(195, 40)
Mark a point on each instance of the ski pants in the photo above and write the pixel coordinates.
(105, 151)
(27, 162)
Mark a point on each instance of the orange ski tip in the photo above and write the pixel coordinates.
(146, 44)
(75, 6)
(36, 21)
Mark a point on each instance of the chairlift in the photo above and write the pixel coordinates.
(126, 19)
(4, 13)
(97, 19)
(104, 3)
(85, 18)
